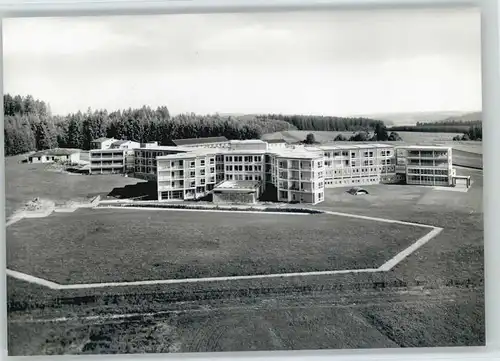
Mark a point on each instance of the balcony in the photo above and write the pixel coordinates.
(107, 158)
(110, 166)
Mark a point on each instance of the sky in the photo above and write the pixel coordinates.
(325, 63)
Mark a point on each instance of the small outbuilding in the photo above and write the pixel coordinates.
(71, 156)
(461, 181)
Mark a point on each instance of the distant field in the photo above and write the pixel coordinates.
(131, 245)
(324, 136)
(25, 181)
(467, 154)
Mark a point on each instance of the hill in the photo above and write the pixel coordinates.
(467, 117)
(412, 118)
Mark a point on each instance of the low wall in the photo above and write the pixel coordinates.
(208, 207)
(234, 198)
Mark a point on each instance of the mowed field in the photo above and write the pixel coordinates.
(135, 245)
(434, 297)
(23, 182)
(325, 136)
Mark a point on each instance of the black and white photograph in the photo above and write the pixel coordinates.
(252, 181)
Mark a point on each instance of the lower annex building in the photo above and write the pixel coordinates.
(297, 173)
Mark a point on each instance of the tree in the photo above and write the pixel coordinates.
(394, 137)
(362, 136)
(381, 132)
(45, 136)
(310, 139)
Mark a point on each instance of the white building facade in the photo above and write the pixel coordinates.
(296, 173)
(361, 164)
(426, 165)
(107, 161)
(112, 158)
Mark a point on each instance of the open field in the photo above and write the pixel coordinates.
(24, 182)
(434, 297)
(409, 138)
(467, 158)
(135, 245)
(325, 136)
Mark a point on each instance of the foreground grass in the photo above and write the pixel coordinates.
(129, 245)
(366, 319)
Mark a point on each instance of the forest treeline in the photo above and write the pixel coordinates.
(450, 123)
(430, 128)
(441, 126)
(30, 126)
(325, 123)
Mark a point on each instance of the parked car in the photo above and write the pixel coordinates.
(357, 191)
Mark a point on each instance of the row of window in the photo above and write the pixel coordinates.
(428, 171)
(426, 153)
(426, 162)
(246, 159)
(428, 179)
(366, 154)
(247, 177)
(352, 181)
(246, 168)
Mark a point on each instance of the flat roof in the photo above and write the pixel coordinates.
(206, 140)
(192, 152)
(108, 150)
(274, 141)
(247, 141)
(164, 147)
(354, 146)
(299, 153)
(424, 147)
(236, 185)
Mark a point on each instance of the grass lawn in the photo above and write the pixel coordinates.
(126, 245)
(467, 159)
(25, 181)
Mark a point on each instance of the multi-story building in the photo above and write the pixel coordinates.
(296, 173)
(107, 161)
(359, 164)
(187, 175)
(426, 165)
(115, 157)
(145, 159)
